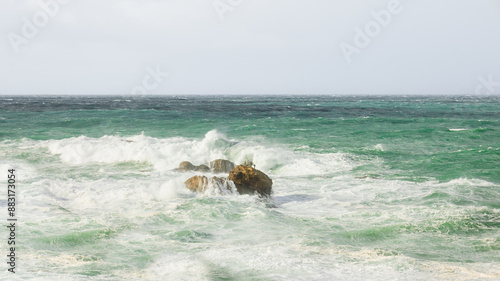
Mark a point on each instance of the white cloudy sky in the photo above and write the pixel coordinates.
(260, 47)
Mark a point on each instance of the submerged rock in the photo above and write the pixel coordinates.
(202, 184)
(221, 166)
(249, 180)
(202, 168)
(186, 166)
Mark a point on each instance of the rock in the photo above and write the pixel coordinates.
(202, 184)
(221, 166)
(248, 163)
(249, 180)
(202, 168)
(196, 183)
(186, 166)
(245, 179)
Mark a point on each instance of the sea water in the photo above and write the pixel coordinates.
(365, 188)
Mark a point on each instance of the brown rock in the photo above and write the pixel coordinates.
(202, 168)
(197, 183)
(221, 166)
(249, 180)
(186, 166)
(202, 183)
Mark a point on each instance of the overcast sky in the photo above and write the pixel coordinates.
(250, 47)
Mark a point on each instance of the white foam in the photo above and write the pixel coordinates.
(244, 237)
(163, 154)
(466, 182)
(283, 161)
(213, 187)
(23, 171)
(166, 154)
(167, 191)
(177, 266)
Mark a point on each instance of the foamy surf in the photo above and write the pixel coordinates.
(390, 197)
(166, 154)
(163, 154)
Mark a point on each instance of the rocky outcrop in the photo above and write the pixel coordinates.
(202, 184)
(186, 166)
(221, 166)
(249, 180)
(202, 168)
(197, 183)
(244, 178)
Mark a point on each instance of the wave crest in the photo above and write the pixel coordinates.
(166, 154)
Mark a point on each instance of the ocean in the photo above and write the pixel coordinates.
(365, 188)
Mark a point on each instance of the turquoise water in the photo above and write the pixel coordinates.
(377, 188)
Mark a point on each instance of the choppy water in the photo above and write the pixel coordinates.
(365, 188)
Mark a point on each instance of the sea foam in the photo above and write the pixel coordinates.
(166, 154)
(163, 154)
